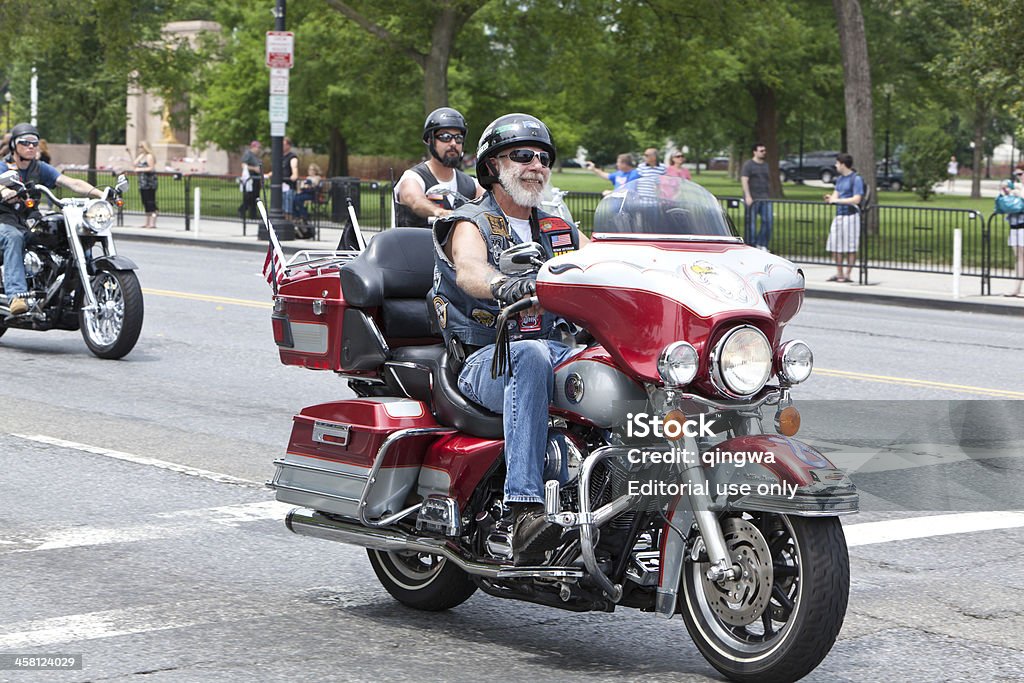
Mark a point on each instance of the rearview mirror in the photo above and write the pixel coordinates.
(520, 258)
(122, 183)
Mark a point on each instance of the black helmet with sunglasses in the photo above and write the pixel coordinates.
(510, 130)
(442, 117)
(21, 130)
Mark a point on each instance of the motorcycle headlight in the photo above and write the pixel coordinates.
(99, 215)
(795, 361)
(742, 361)
(677, 364)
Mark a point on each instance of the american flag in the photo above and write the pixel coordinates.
(273, 265)
(561, 240)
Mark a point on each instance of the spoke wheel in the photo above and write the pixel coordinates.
(420, 580)
(111, 330)
(782, 616)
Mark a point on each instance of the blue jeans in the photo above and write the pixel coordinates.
(754, 237)
(287, 199)
(522, 397)
(12, 241)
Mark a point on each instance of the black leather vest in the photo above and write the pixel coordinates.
(472, 320)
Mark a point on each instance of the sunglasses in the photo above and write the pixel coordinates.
(28, 143)
(448, 137)
(525, 156)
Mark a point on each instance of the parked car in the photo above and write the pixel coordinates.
(718, 164)
(816, 166)
(893, 181)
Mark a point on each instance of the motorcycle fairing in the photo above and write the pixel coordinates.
(638, 297)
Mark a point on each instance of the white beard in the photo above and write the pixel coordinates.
(510, 178)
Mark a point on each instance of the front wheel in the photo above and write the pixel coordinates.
(779, 620)
(895, 186)
(827, 176)
(112, 329)
(421, 581)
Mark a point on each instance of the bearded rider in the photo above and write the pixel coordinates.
(514, 159)
(23, 157)
(444, 133)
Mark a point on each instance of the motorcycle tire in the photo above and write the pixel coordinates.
(113, 333)
(421, 581)
(801, 601)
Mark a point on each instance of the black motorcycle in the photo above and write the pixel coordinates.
(66, 246)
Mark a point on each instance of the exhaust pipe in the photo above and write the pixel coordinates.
(306, 522)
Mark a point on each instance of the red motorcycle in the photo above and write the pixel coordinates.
(674, 495)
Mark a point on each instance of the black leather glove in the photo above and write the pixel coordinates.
(509, 290)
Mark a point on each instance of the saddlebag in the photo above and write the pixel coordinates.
(333, 447)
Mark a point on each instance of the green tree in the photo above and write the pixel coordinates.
(925, 157)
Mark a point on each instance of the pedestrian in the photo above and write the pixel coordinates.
(952, 169)
(844, 233)
(251, 180)
(1016, 220)
(625, 171)
(44, 151)
(650, 172)
(145, 169)
(289, 177)
(308, 189)
(676, 166)
(757, 197)
(444, 134)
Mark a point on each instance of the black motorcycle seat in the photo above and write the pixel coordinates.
(397, 264)
(449, 406)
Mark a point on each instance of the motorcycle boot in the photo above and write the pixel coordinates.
(532, 535)
(18, 306)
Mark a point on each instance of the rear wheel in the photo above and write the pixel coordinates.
(779, 620)
(420, 580)
(113, 328)
(895, 186)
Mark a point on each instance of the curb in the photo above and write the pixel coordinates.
(916, 302)
(874, 298)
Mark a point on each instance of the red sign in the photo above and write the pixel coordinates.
(280, 49)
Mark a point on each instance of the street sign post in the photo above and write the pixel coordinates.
(279, 81)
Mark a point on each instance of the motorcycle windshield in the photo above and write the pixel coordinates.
(662, 205)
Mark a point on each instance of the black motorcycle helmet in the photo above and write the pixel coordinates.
(442, 117)
(510, 130)
(19, 130)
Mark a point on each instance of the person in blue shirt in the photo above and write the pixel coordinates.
(23, 157)
(626, 171)
(844, 234)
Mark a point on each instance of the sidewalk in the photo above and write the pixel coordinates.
(894, 287)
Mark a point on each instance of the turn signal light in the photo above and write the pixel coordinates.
(119, 202)
(30, 203)
(679, 418)
(787, 421)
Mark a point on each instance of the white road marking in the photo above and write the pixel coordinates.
(926, 527)
(157, 526)
(140, 460)
(121, 622)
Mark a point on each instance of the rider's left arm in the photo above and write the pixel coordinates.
(79, 186)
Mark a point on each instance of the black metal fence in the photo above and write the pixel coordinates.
(892, 237)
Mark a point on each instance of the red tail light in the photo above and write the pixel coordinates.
(282, 330)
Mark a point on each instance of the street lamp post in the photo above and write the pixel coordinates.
(887, 89)
(283, 228)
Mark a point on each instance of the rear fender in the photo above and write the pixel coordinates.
(775, 473)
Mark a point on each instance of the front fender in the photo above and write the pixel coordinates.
(774, 473)
(116, 262)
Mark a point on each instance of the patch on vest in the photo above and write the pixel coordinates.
(441, 308)
(561, 243)
(499, 226)
(552, 224)
(497, 246)
(529, 323)
(484, 317)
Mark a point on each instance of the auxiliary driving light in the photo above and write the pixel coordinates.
(795, 361)
(677, 364)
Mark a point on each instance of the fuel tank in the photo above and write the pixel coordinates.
(589, 388)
